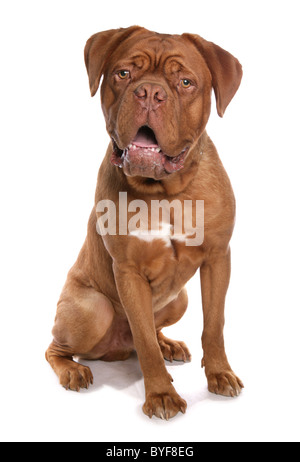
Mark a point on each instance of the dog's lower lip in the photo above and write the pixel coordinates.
(169, 164)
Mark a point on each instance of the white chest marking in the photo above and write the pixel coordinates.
(165, 233)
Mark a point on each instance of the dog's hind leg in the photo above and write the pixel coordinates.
(72, 375)
(83, 317)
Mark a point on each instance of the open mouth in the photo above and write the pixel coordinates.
(143, 156)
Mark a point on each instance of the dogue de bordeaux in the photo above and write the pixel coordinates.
(128, 284)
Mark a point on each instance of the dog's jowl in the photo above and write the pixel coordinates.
(164, 209)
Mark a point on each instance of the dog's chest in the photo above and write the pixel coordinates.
(169, 222)
(165, 234)
(166, 261)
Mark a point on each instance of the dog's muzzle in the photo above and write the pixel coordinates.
(144, 157)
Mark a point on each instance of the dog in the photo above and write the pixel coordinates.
(128, 282)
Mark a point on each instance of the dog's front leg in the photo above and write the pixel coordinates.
(136, 297)
(215, 276)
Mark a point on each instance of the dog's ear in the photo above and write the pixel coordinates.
(225, 69)
(98, 50)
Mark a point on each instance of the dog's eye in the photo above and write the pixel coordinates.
(185, 83)
(123, 74)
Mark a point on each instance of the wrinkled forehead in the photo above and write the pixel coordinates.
(158, 51)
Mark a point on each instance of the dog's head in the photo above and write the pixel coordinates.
(156, 94)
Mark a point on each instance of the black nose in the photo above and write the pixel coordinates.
(150, 96)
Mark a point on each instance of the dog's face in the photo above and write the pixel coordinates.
(156, 94)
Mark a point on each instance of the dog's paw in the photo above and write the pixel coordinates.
(224, 383)
(173, 350)
(164, 405)
(76, 376)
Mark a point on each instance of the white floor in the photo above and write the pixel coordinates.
(34, 407)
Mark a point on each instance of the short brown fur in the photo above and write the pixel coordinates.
(122, 291)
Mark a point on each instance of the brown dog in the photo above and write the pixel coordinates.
(128, 282)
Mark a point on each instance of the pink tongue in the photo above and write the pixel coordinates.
(144, 139)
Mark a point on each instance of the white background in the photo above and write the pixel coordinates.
(52, 142)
